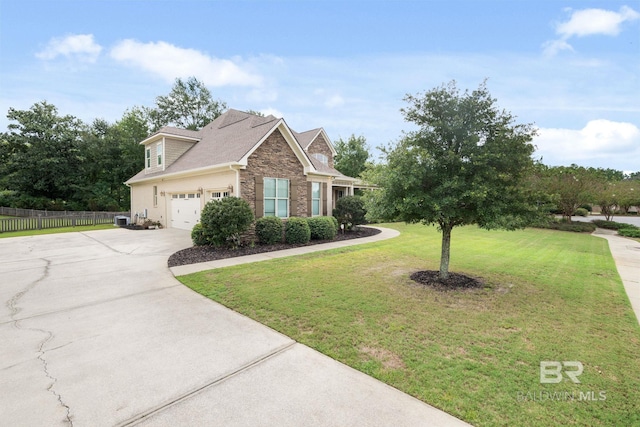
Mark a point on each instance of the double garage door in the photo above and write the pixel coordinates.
(185, 210)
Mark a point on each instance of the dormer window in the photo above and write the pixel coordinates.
(159, 153)
(148, 156)
(319, 156)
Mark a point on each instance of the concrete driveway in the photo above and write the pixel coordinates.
(96, 331)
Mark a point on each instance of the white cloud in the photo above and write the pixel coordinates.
(334, 101)
(79, 46)
(272, 111)
(553, 47)
(596, 21)
(170, 62)
(596, 143)
(589, 22)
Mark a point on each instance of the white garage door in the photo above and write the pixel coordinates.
(185, 210)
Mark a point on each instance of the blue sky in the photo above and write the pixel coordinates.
(570, 67)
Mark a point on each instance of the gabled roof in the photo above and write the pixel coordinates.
(229, 140)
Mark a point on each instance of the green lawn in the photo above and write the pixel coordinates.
(549, 296)
(56, 230)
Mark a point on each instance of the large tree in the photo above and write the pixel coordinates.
(351, 155)
(43, 153)
(189, 105)
(466, 164)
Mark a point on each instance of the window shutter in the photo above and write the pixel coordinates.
(309, 198)
(324, 198)
(259, 186)
(293, 198)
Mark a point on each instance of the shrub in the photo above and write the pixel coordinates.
(587, 207)
(322, 228)
(629, 232)
(563, 225)
(350, 211)
(611, 225)
(335, 223)
(224, 220)
(297, 230)
(197, 236)
(582, 212)
(269, 230)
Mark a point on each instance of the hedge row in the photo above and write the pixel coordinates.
(270, 230)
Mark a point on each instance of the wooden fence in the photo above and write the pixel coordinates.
(36, 212)
(44, 222)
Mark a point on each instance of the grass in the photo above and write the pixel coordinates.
(56, 230)
(549, 296)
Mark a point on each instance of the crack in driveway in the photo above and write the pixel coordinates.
(12, 305)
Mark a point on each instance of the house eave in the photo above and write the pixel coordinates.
(158, 136)
(190, 172)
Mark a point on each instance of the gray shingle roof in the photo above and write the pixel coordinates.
(227, 140)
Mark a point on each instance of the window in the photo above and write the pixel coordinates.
(276, 197)
(159, 153)
(155, 196)
(148, 157)
(315, 198)
(218, 195)
(324, 159)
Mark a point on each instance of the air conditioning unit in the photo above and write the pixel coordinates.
(121, 220)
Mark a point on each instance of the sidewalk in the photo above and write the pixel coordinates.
(386, 233)
(626, 254)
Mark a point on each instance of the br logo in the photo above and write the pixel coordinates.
(551, 371)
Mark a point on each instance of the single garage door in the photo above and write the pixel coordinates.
(185, 210)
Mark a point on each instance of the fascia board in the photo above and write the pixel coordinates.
(161, 135)
(190, 172)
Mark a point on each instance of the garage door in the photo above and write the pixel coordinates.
(185, 210)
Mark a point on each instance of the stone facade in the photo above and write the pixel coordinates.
(319, 145)
(274, 158)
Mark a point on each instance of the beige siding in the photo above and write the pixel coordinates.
(175, 148)
(142, 193)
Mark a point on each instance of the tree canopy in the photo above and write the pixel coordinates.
(189, 105)
(351, 155)
(467, 164)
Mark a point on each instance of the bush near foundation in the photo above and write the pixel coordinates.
(350, 211)
(224, 220)
(297, 231)
(322, 228)
(269, 230)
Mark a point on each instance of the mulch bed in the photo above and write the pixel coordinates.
(210, 253)
(454, 282)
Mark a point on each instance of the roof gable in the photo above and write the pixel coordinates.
(230, 139)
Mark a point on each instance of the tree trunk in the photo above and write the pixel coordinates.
(445, 253)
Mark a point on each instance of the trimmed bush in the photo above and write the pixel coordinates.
(269, 230)
(562, 225)
(224, 220)
(629, 232)
(611, 225)
(335, 223)
(582, 212)
(322, 228)
(350, 211)
(297, 230)
(197, 236)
